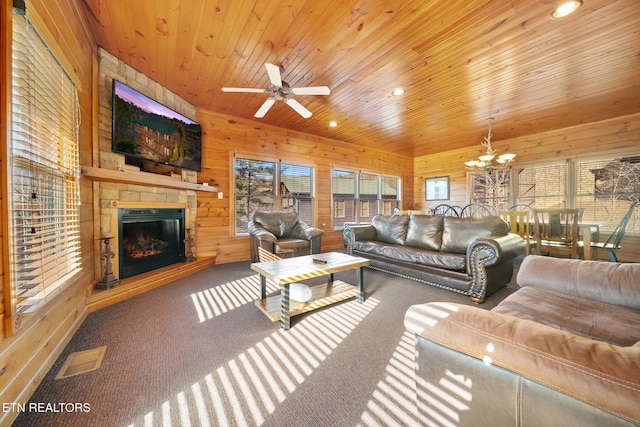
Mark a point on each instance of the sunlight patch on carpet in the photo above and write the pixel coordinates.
(394, 400)
(212, 302)
(248, 388)
(81, 362)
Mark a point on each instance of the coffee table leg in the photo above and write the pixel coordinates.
(285, 320)
(359, 276)
(263, 287)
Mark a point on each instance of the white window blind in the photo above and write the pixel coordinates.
(542, 186)
(296, 190)
(254, 186)
(390, 190)
(344, 197)
(369, 186)
(44, 171)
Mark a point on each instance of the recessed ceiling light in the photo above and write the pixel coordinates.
(566, 8)
(333, 124)
(398, 92)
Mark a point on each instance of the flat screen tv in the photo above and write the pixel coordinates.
(145, 130)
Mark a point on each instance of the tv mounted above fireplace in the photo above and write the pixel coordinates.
(145, 130)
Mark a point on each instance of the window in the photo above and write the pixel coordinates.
(43, 174)
(542, 186)
(372, 194)
(491, 189)
(606, 189)
(296, 190)
(344, 197)
(369, 194)
(256, 190)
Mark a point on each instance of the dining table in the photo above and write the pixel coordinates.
(589, 231)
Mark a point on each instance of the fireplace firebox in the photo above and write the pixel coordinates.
(149, 239)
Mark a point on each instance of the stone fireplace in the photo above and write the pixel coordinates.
(149, 239)
(145, 217)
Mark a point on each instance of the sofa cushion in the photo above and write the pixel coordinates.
(288, 244)
(581, 316)
(425, 232)
(459, 233)
(399, 252)
(368, 246)
(448, 261)
(608, 282)
(279, 224)
(391, 228)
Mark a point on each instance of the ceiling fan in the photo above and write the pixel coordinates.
(280, 91)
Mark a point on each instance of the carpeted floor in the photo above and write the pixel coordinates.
(199, 352)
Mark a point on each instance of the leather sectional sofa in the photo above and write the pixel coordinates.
(471, 256)
(564, 349)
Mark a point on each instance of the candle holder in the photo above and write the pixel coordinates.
(108, 279)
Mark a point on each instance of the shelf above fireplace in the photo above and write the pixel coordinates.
(142, 178)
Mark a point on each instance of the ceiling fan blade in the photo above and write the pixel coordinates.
(312, 90)
(264, 108)
(300, 109)
(274, 74)
(243, 89)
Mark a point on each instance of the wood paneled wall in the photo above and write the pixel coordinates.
(29, 345)
(611, 138)
(226, 135)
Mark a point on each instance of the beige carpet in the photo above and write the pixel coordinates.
(199, 352)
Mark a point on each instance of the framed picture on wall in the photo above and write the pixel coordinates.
(437, 188)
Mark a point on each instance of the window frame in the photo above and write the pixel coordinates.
(382, 203)
(43, 173)
(571, 193)
(277, 191)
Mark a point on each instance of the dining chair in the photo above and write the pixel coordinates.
(447, 210)
(613, 242)
(520, 224)
(556, 231)
(475, 210)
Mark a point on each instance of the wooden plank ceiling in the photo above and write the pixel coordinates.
(461, 62)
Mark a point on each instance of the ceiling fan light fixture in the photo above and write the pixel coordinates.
(565, 9)
(280, 91)
(333, 124)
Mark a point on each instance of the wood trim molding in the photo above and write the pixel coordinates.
(142, 178)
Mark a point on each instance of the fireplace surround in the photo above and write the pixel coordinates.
(149, 238)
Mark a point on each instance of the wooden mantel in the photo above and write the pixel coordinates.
(142, 178)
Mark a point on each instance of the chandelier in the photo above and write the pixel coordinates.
(486, 161)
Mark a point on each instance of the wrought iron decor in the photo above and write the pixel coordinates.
(437, 188)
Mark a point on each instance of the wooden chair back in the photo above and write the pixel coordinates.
(556, 231)
(519, 223)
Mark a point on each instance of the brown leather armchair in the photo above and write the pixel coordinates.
(282, 234)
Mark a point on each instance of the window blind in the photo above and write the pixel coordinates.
(44, 170)
(255, 191)
(296, 190)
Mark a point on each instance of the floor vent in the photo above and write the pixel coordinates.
(81, 362)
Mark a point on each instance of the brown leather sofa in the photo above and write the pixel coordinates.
(282, 234)
(471, 256)
(562, 350)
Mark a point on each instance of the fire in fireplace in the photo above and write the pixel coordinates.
(149, 239)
